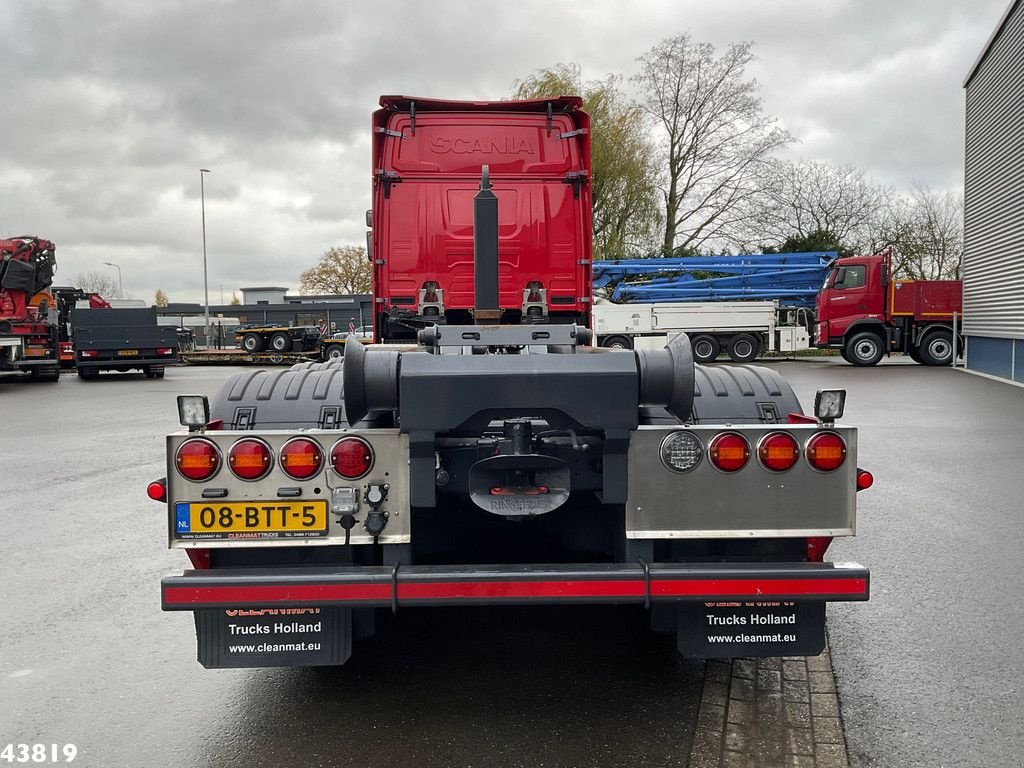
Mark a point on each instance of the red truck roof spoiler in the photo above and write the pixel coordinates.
(558, 103)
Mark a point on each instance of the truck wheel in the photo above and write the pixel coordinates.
(252, 343)
(937, 348)
(864, 349)
(914, 353)
(147, 371)
(88, 373)
(158, 371)
(617, 342)
(280, 342)
(334, 352)
(46, 374)
(705, 348)
(744, 348)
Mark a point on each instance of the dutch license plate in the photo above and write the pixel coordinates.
(128, 353)
(250, 519)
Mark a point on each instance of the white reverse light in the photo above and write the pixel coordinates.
(193, 410)
(829, 404)
(681, 451)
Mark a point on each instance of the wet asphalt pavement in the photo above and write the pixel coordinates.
(87, 657)
(930, 672)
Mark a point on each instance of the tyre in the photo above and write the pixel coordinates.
(280, 342)
(864, 349)
(936, 348)
(158, 371)
(744, 348)
(147, 372)
(88, 373)
(334, 352)
(705, 348)
(844, 355)
(914, 353)
(617, 342)
(252, 343)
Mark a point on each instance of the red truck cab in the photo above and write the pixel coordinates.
(866, 314)
(427, 160)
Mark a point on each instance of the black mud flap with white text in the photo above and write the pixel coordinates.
(273, 637)
(724, 630)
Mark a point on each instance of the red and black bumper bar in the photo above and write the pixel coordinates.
(421, 585)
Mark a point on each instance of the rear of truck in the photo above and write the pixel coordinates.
(123, 339)
(505, 464)
(29, 326)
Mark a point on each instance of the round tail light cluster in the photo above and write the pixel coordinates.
(250, 459)
(729, 452)
(301, 458)
(197, 459)
(826, 451)
(351, 457)
(778, 451)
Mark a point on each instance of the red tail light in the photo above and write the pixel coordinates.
(157, 490)
(778, 451)
(864, 479)
(301, 458)
(197, 459)
(729, 452)
(250, 459)
(826, 451)
(87, 352)
(164, 350)
(352, 457)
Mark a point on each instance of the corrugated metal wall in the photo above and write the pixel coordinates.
(994, 189)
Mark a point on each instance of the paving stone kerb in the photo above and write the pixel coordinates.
(769, 713)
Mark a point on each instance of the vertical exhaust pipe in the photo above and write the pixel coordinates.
(485, 253)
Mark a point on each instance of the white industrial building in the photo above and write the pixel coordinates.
(993, 266)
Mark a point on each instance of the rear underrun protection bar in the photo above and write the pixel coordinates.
(422, 585)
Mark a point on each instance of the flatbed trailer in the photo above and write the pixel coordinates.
(278, 339)
(327, 349)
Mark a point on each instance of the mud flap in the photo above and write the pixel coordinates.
(723, 630)
(273, 637)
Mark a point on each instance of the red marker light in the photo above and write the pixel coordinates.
(301, 458)
(197, 459)
(826, 451)
(864, 479)
(351, 457)
(729, 452)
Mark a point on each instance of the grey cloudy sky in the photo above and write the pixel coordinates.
(111, 107)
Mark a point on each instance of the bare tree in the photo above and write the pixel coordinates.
(925, 232)
(625, 196)
(339, 270)
(800, 200)
(716, 138)
(97, 282)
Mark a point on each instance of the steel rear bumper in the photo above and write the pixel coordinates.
(421, 585)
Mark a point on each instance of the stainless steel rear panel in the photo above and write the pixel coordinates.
(752, 502)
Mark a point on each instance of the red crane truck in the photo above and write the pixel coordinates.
(499, 458)
(29, 322)
(866, 314)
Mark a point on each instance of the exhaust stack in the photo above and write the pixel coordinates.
(485, 253)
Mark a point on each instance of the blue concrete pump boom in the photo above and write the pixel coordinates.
(791, 278)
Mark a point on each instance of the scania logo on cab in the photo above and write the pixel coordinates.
(508, 145)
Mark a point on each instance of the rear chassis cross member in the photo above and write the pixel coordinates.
(421, 585)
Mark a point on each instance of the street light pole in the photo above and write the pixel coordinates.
(120, 283)
(206, 283)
